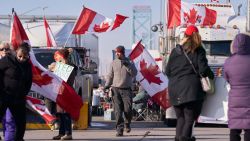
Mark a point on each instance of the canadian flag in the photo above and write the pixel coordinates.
(39, 106)
(90, 21)
(49, 35)
(183, 13)
(150, 76)
(17, 34)
(45, 82)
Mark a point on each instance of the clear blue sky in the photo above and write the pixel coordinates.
(108, 8)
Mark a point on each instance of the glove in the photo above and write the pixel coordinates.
(125, 63)
(106, 88)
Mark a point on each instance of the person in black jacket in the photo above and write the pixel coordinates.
(16, 80)
(185, 90)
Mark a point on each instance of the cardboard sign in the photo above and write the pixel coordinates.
(63, 70)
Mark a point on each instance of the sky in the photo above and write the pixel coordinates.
(108, 8)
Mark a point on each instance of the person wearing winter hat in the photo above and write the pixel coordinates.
(120, 79)
(185, 90)
(236, 73)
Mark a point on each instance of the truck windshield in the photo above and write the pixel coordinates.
(45, 59)
(221, 48)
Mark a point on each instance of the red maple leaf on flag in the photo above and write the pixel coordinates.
(101, 28)
(149, 73)
(40, 79)
(192, 17)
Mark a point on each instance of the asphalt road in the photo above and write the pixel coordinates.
(141, 131)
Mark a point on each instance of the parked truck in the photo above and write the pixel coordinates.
(216, 40)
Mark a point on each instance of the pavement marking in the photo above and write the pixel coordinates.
(145, 135)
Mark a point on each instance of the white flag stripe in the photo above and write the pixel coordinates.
(98, 19)
(186, 7)
(48, 91)
(151, 88)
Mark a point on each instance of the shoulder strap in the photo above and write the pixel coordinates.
(191, 63)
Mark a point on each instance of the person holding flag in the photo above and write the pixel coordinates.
(185, 90)
(65, 128)
(120, 78)
(16, 82)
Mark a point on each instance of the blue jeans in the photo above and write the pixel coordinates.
(8, 126)
(65, 124)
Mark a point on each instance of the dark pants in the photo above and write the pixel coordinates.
(51, 105)
(187, 114)
(18, 111)
(235, 134)
(65, 124)
(122, 99)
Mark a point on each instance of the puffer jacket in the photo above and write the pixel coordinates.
(16, 79)
(236, 72)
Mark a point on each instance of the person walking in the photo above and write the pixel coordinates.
(8, 120)
(16, 80)
(120, 80)
(65, 122)
(185, 90)
(236, 73)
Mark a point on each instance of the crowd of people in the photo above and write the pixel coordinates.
(186, 64)
(15, 83)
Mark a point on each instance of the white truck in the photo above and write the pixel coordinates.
(216, 41)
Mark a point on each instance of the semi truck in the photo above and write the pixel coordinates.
(216, 40)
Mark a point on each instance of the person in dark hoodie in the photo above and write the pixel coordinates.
(236, 72)
(16, 80)
(185, 90)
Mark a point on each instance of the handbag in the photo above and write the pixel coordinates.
(207, 84)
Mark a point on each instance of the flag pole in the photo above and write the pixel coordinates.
(44, 24)
(44, 10)
(67, 39)
(11, 22)
(72, 29)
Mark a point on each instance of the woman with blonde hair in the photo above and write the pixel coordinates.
(186, 63)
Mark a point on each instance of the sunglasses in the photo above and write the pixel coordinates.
(4, 49)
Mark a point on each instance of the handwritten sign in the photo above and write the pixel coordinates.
(63, 70)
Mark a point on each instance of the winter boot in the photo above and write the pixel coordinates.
(183, 138)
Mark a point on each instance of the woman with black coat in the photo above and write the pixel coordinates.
(185, 90)
(16, 80)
